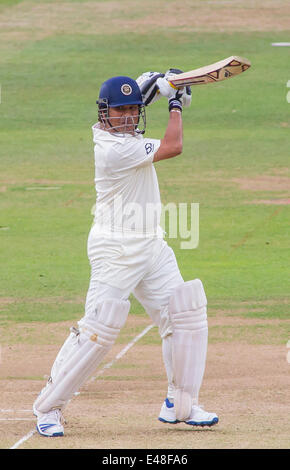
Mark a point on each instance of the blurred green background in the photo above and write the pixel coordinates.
(236, 155)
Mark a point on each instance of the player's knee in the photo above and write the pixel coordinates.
(104, 327)
(186, 309)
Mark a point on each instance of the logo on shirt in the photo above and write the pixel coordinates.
(126, 89)
(149, 148)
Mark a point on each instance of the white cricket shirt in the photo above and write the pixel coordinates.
(128, 196)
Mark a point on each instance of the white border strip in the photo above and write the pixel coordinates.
(23, 439)
(105, 367)
(10, 410)
(122, 353)
(281, 44)
(16, 419)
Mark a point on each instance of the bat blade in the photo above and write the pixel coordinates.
(227, 68)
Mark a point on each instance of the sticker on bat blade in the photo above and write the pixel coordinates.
(227, 73)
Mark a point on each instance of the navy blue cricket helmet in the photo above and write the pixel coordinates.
(120, 91)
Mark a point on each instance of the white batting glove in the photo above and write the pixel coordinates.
(186, 96)
(148, 87)
(173, 94)
(166, 89)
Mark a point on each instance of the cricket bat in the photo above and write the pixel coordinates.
(217, 72)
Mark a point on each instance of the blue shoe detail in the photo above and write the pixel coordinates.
(43, 427)
(168, 422)
(169, 404)
(203, 423)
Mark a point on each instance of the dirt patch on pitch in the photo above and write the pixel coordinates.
(6, 301)
(264, 183)
(37, 20)
(244, 383)
(272, 202)
(267, 183)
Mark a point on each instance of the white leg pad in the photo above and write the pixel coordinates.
(82, 353)
(187, 308)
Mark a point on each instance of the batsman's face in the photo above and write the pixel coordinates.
(124, 119)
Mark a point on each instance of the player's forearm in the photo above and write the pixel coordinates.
(174, 131)
(171, 144)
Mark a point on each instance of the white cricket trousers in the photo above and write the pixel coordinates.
(144, 267)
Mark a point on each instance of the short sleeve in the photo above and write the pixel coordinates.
(133, 153)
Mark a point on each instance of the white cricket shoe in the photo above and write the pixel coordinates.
(167, 413)
(50, 424)
(198, 417)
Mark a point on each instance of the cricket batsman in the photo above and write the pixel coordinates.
(128, 255)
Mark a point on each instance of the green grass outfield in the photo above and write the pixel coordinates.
(235, 131)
